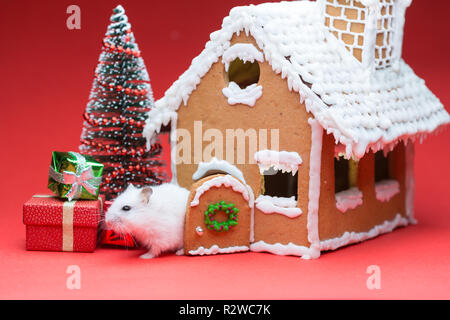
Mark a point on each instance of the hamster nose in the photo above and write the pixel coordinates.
(111, 220)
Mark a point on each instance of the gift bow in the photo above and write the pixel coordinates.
(83, 177)
(78, 181)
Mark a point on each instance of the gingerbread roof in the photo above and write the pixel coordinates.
(362, 107)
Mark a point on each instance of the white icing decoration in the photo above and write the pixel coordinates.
(247, 96)
(386, 189)
(315, 167)
(279, 160)
(173, 144)
(282, 249)
(252, 213)
(363, 110)
(227, 181)
(283, 206)
(410, 182)
(400, 9)
(215, 249)
(216, 165)
(348, 199)
(247, 52)
(353, 237)
(159, 117)
(199, 230)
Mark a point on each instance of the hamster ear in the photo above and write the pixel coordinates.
(146, 193)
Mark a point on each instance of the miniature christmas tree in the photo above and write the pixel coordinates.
(115, 115)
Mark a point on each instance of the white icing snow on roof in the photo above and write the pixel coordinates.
(363, 107)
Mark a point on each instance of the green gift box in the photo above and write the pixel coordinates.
(75, 176)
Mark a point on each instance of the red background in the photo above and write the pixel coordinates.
(46, 74)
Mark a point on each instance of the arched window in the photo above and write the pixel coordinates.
(243, 73)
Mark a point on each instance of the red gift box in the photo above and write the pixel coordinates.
(54, 224)
(110, 238)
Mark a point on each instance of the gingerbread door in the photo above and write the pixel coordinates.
(218, 217)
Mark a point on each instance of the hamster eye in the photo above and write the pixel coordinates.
(126, 208)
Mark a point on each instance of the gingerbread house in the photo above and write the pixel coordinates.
(297, 122)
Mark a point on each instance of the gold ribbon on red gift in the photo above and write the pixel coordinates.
(67, 222)
(67, 225)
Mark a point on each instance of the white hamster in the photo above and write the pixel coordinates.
(154, 216)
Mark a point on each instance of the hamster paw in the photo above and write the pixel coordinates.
(180, 252)
(147, 255)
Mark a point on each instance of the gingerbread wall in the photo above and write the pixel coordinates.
(278, 108)
(332, 222)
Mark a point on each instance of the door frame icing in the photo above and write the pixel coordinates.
(226, 180)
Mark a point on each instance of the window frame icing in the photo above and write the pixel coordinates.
(246, 52)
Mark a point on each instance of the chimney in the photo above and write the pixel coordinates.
(372, 30)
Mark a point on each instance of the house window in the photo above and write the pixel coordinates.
(346, 174)
(241, 62)
(347, 194)
(243, 73)
(386, 186)
(279, 184)
(381, 166)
